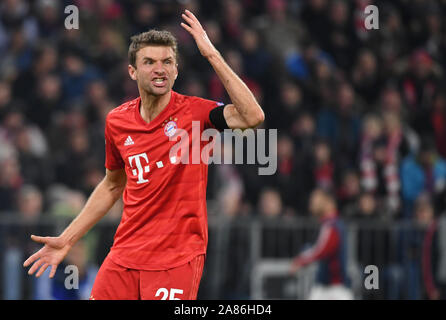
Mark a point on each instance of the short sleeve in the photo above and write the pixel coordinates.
(202, 109)
(113, 159)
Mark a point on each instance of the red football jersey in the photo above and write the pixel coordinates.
(164, 221)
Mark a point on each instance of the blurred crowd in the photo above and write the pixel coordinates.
(359, 112)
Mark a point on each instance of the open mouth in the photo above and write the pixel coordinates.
(159, 82)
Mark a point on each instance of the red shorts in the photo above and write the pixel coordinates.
(114, 282)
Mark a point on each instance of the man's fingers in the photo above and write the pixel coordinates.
(185, 26)
(31, 259)
(34, 267)
(53, 270)
(39, 239)
(193, 17)
(188, 20)
(42, 270)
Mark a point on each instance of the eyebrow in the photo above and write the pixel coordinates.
(151, 59)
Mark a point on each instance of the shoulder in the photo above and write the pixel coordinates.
(194, 100)
(123, 111)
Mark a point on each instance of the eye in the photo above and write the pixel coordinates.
(168, 62)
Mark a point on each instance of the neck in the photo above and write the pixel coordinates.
(330, 212)
(152, 105)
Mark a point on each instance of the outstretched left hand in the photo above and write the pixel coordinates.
(194, 27)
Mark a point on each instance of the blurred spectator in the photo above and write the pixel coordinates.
(6, 102)
(145, 17)
(289, 107)
(304, 131)
(109, 50)
(29, 207)
(286, 177)
(230, 190)
(372, 132)
(438, 122)
(419, 85)
(374, 246)
(18, 56)
(270, 204)
(329, 250)
(282, 32)
(76, 76)
(234, 60)
(232, 17)
(324, 167)
(349, 190)
(423, 172)
(341, 126)
(341, 39)
(47, 101)
(256, 60)
(412, 239)
(29, 203)
(44, 62)
(35, 165)
(365, 76)
(64, 202)
(98, 102)
(10, 182)
(433, 256)
(72, 165)
(314, 14)
(366, 207)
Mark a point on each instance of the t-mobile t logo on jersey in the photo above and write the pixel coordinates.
(140, 170)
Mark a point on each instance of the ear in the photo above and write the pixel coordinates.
(132, 72)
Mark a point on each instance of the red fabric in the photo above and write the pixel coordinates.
(428, 278)
(439, 124)
(324, 175)
(286, 166)
(115, 282)
(327, 244)
(164, 221)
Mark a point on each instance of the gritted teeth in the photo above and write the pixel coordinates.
(159, 81)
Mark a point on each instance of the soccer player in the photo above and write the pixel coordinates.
(160, 244)
(332, 282)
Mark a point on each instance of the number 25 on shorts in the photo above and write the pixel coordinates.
(165, 293)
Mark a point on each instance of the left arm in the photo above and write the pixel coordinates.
(245, 112)
(327, 243)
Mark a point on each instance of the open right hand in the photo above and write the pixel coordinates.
(52, 253)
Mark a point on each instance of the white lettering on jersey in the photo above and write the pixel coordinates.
(140, 170)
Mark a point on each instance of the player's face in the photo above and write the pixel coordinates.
(316, 203)
(156, 69)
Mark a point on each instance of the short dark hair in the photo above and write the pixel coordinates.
(148, 38)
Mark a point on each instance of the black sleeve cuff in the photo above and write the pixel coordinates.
(217, 118)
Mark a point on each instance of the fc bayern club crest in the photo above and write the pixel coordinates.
(170, 127)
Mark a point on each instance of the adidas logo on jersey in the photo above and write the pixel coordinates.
(128, 141)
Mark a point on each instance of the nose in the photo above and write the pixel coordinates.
(159, 68)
